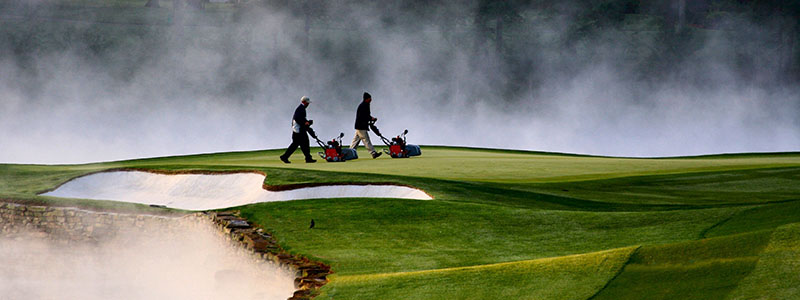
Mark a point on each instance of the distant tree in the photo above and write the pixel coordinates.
(275, 4)
(677, 14)
(592, 16)
(310, 10)
(152, 3)
(177, 16)
(197, 4)
(500, 12)
(681, 15)
(785, 14)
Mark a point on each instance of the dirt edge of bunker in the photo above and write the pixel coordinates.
(310, 275)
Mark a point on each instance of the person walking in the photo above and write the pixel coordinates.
(300, 129)
(363, 117)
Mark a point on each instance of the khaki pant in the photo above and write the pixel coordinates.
(362, 135)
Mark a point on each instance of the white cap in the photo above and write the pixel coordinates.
(305, 99)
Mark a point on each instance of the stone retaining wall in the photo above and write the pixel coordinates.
(72, 225)
(311, 275)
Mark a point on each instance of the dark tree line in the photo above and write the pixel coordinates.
(488, 30)
(491, 18)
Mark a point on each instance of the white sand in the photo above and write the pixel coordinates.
(203, 192)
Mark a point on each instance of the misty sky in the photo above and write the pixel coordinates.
(235, 89)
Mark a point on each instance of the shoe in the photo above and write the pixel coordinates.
(376, 154)
(285, 160)
(310, 161)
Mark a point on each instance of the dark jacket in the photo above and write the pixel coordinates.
(300, 117)
(363, 116)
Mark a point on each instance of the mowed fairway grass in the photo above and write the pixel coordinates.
(516, 224)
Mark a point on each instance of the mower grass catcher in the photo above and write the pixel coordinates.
(333, 151)
(398, 148)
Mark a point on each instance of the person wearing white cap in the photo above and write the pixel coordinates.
(300, 128)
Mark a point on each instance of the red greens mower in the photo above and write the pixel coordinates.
(333, 151)
(398, 148)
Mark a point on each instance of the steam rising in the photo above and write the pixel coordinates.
(194, 89)
(190, 262)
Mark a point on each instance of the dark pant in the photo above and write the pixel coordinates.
(298, 139)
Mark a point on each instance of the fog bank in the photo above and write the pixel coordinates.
(194, 88)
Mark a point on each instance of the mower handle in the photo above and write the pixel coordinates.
(319, 142)
(314, 135)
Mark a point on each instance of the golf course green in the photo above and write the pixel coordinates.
(516, 224)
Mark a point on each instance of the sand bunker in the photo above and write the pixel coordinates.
(204, 192)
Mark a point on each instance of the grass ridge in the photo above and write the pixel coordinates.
(344, 278)
(621, 269)
(703, 233)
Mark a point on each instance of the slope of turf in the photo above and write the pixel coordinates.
(776, 273)
(569, 277)
(363, 236)
(705, 269)
(465, 164)
(528, 224)
(718, 187)
(758, 218)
